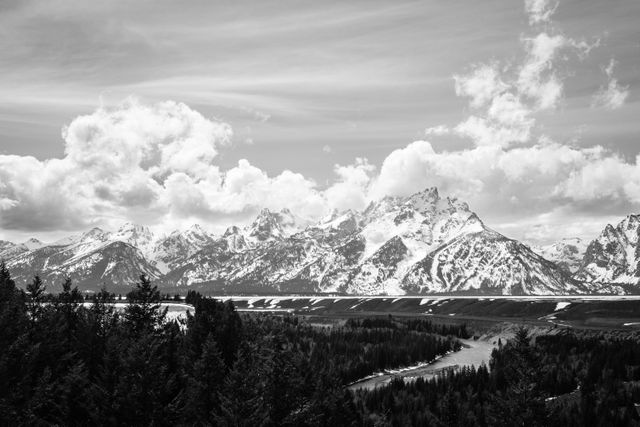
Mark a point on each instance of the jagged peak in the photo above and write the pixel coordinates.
(133, 228)
(95, 233)
(609, 230)
(265, 213)
(333, 214)
(347, 218)
(428, 194)
(197, 230)
(631, 221)
(458, 204)
(32, 244)
(95, 230)
(194, 231)
(473, 218)
(265, 226)
(231, 231)
(137, 235)
(383, 205)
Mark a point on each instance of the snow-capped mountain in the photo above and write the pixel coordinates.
(168, 252)
(567, 253)
(418, 244)
(485, 261)
(135, 235)
(32, 244)
(90, 259)
(614, 256)
(269, 226)
(9, 249)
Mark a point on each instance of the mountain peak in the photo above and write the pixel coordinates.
(231, 231)
(135, 235)
(132, 227)
(33, 243)
(345, 220)
(264, 213)
(197, 230)
(266, 226)
(94, 234)
(429, 193)
(425, 200)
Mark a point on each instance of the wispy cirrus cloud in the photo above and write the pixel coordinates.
(513, 163)
(613, 95)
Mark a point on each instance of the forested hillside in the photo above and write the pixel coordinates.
(65, 363)
(563, 380)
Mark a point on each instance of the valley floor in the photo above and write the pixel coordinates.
(584, 312)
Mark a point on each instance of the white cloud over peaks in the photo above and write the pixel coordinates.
(350, 191)
(159, 139)
(613, 95)
(514, 170)
(154, 164)
(521, 180)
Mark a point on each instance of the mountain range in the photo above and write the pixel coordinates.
(421, 244)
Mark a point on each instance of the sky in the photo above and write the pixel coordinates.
(168, 113)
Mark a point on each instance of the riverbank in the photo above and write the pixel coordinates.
(473, 353)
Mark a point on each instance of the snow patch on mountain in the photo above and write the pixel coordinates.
(419, 244)
(613, 257)
(567, 253)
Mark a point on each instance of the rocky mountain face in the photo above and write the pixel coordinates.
(613, 256)
(398, 245)
(91, 260)
(488, 262)
(566, 253)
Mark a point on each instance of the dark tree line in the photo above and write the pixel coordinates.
(568, 379)
(64, 361)
(67, 362)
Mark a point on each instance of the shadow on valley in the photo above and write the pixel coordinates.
(63, 362)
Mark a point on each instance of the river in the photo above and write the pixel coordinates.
(473, 353)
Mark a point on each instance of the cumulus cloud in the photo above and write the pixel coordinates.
(350, 190)
(513, 169)
(613, 95)
(522, 181)
(156, 164)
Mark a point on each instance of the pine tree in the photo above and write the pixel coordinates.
(144, 311)
(205, 384)
(243, 399)
(35, 293)
(7, 285)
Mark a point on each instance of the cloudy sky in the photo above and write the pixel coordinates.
(169, 113)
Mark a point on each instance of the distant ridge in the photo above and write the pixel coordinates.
(421, 244)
